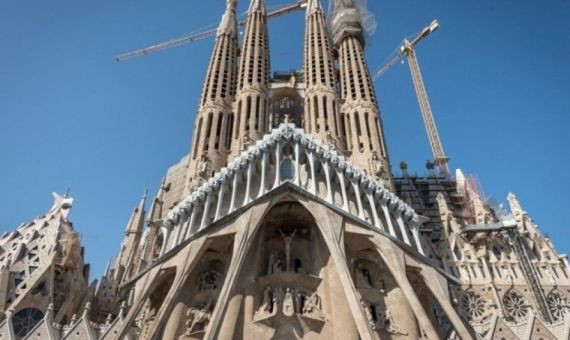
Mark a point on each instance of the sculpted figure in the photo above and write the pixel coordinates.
(288, 305)
(313, 305)
(330, 141)
(246, 141)
(275, 263)
(265, 306)
(277, 298)
(368, 313)
(288, 240)
(203, 165)
(299, 302)
(363, 276)
(377, 166)
(198, 318)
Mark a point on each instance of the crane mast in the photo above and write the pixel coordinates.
(427, 115)
(406, 50)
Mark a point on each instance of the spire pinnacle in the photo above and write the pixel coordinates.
(256, 5)
(314, 4)
(143, 199)
(228, 25)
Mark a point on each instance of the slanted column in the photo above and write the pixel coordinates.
(297, 165)
(179, 228)
(220, 201)
(415, 229)
(356, 188)
(234, 190)
(340, 174)
(388, 218)
(247, 197)
(165, 236)
(205, 212)
(329, 197)
(277, 165)
(377, 222)
(263, 172)
(313, 188)
(401, 224)
(190, 227)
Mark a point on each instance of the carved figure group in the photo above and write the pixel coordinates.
(198, 318)
(380, 320)
(364, 279)
(289, 302)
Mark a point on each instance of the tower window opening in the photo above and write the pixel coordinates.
(316, 108)
(325, 113)
(247, 112)
(218, 130)
(229, 129)
(380, 138)
(348, 132)
(358, 131)
(209, 131)
(368, 130)
(197, 138)
(236, 132)
(335, 118)
(257, 107)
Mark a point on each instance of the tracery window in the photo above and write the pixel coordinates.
(25, 320)
(516, 306)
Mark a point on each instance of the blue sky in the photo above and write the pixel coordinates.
(497, 74)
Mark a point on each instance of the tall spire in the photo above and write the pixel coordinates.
(363, 126)
(214, 119)
(251, 106)
(136, 222)
(127, 256)
(322, 117)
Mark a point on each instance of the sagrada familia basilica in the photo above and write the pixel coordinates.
(285, 221)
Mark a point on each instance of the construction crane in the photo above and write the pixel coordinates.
(205, 33)
(406, 50)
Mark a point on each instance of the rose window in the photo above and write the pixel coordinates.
(25, 320)
(516, 306)
(473, 306)
(558, 305)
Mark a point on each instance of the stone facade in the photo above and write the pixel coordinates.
(285, 221)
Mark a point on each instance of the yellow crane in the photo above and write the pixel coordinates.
(205, 33)
(406, 50)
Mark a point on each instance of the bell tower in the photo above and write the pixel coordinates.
(252, 101)
(214, 119)
(322, 117)
(364, 133)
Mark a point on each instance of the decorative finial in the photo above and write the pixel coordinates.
(123, 310)
(49, 313)
(87, 309)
